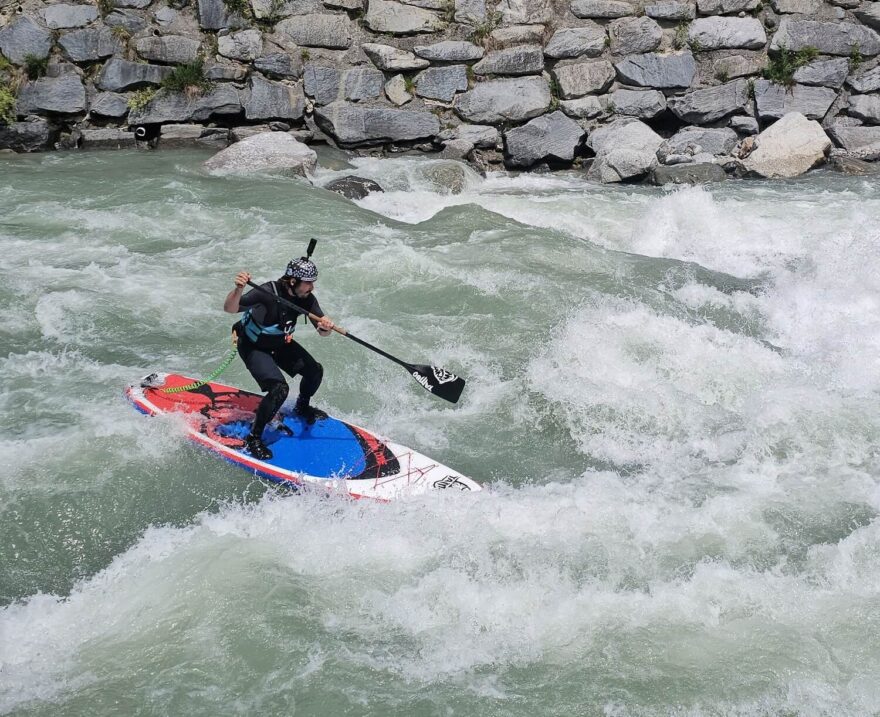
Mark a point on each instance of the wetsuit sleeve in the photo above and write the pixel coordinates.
(315, 308)
(257, 301)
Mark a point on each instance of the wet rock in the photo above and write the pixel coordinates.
(391, 59)
(446, 177)
(698, 140)
(829, 38)
(354, 124)
(223, 100)
(605, 9)
(449, 51)
(90, 44)
(266, 152)
(387, 16)
(280, 64)
(671, 11)
(853, 167)
(711, 104)
(583, 78)
(119, 74)
(701, 173)
(31, 136)
(168, 49)
(246, 45)
(109, 104)
(774, 101)
(788, 148)
(634, 35)
(395, 90)
(520, 60)
(508, 100)
(58, 95)
(107, 138)
(644, 104)
(553, 137)
(577, 41)
(330, 31)
(24, 37)
(670, 71)
(719, 33)
(62, 15)
(625, 150)
(442, 83)
(265, 100)
(353, 187)
(859, 142)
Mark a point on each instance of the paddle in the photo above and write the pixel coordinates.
(438, 381)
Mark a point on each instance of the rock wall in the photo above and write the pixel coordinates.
(623, 84)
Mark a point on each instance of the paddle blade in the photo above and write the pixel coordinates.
(438, 381)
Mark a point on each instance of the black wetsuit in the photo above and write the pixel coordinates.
(263, 347)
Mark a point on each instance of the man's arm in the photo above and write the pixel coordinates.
(231, 305)
(324, 325)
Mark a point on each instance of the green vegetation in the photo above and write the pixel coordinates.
(7, 105)
(409, 84)
(121, 33)
(722, 76)
(240, 7)
(483, 29)
(5, 65)
(189, 78)
(855, 57)
(105, 7)
(35, 67)
(784, 63)
(141, 98)
(305, 55)
(679, 40)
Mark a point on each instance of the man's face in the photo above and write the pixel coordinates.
(303, 289)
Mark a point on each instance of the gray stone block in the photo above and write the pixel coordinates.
(583, 78)
(449, 51)
(32, 136)
(245, 45)
(280, 64)
(866, 80)
(442, 83)
(860, 142)
(90, 44)
(553, 137)
(266, 100)
(826, 73)
(362, 83)
(521, 60)
(168, 49)
(56, 95)
(670, 71)
(119, 74)
(507, 100)
(671, 11)
(865, 107)
(634, 35)
(702, 173)
(644, 104)
(577, 41)
(398, 19)
(223, 100)
(392, 59)
(726, 7)
(719, 33)
(62, 15)
(109, 104)
(330, 31)
(605, 9)
(711, 104)
(690, 141)
(24, 37)
(775, 101)
(829, 38)
(352, 124)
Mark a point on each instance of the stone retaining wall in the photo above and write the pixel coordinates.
(523, 83)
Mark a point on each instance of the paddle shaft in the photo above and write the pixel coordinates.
(337, 329)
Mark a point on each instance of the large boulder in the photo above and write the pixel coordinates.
(387, 16)
(859, 142)
(583, 78)
(63, 16)
(119, 74)
(331, 31)
(90, 44)
(553, 137)
(625, 150)
(264, 152)
(442, 83)
(223, 100)
(711, 104)
(391, 59)
(449, 51)
(169, 49)
(644, 104)
(634, 35)
(670, 71)
(720, 33)
(508, 100)
(23, 37)
(604, 9)
(825, 73)
(520, 60)
(31, 136)
(264, 99)
(246, 45)
(788, 148)
(588, 40)
(774, 101)
(829, 38)
(352, 124)
(65, 95)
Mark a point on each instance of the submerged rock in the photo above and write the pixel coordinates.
(353, 187)
(265, 152)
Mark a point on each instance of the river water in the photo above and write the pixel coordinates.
(672, 397)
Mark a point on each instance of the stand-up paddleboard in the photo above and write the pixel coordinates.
(329, 454)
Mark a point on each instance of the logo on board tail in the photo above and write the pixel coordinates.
(451, 482)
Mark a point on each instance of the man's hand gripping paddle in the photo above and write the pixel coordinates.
(437, 380)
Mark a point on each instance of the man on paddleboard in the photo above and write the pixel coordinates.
(266, 345)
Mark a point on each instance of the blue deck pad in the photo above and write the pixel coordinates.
(326, 449)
